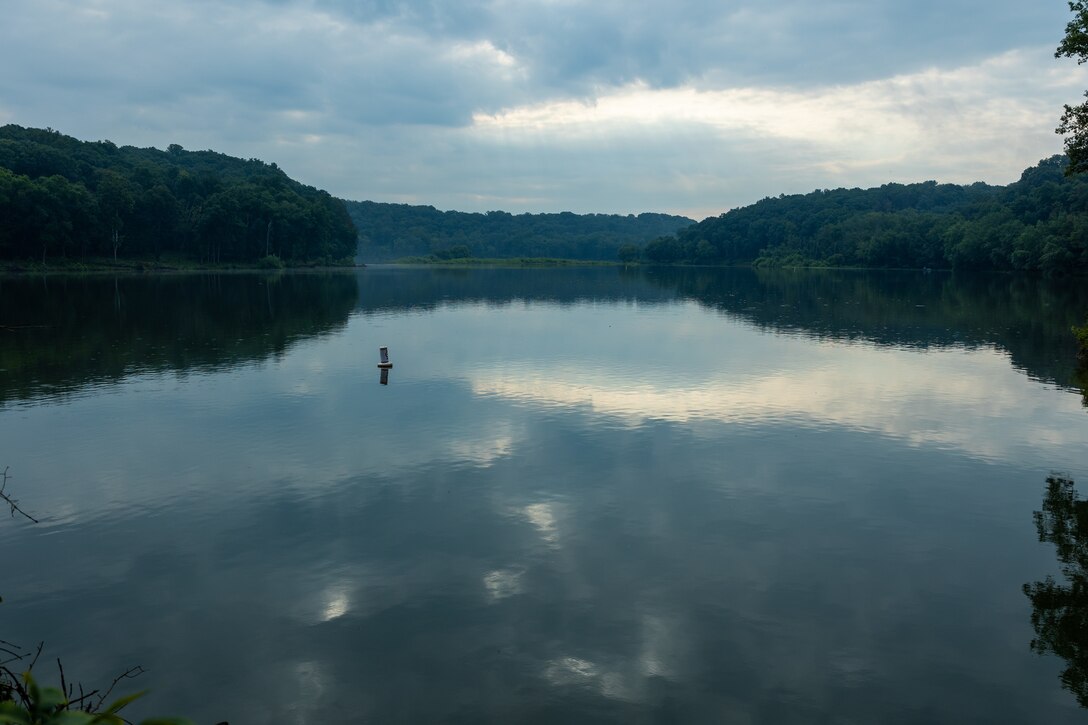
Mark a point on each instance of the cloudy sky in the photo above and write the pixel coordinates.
(688, 106)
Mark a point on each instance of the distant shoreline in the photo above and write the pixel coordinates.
(148, 266)
(27, 268)
(92, 265)
(502, 262)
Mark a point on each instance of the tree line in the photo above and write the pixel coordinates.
(395, 231)
(1037, 223)
(65, 198)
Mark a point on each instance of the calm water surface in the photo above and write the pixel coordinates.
(586, 495)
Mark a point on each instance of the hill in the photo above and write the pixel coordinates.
(392, 231)
(1037, 223)
(65, 198)
(62, 197)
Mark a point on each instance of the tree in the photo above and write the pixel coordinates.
(59, 195)
(1081, 333)
(664, 250)
(156, 212)
(628, 253)
(115, 202)
(1074, 122)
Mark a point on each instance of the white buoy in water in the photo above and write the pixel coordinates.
(383, 351)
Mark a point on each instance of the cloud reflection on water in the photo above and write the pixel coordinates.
(671, 509)
(974, 403)
(542, 517)
(503, 583)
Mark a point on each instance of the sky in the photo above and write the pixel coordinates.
(688, 107)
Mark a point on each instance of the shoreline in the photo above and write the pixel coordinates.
(99, 266)
(25, 268)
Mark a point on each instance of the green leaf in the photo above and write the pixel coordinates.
(12, 714)
(70, 717)
(166, 721)
(32, 687)
(108, 718)
(50, 698)
(124, 702)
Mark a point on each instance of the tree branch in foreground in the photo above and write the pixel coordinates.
(13, 503)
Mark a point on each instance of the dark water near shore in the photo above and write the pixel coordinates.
(584, 495)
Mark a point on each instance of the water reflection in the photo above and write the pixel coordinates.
(1080, 380)
(1026, 316)
(593, 496)
(61, 334)
(1059, 610)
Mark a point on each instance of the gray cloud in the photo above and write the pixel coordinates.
(397, 56)
(382, 99)
(576, 45)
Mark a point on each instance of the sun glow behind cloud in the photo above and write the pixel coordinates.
(687, 107)
(947, 116)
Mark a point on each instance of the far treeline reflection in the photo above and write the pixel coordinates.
(59, 333)
(1026, 315)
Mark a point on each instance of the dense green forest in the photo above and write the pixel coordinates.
(394, 231)
(65, 198)
(1037, 223)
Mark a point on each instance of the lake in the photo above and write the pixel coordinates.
(580, 495)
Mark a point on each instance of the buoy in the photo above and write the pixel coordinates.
(384, 353)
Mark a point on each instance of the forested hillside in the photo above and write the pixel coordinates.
(61, 197)
(1038, 223)
(65, 198)
(392, 231)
